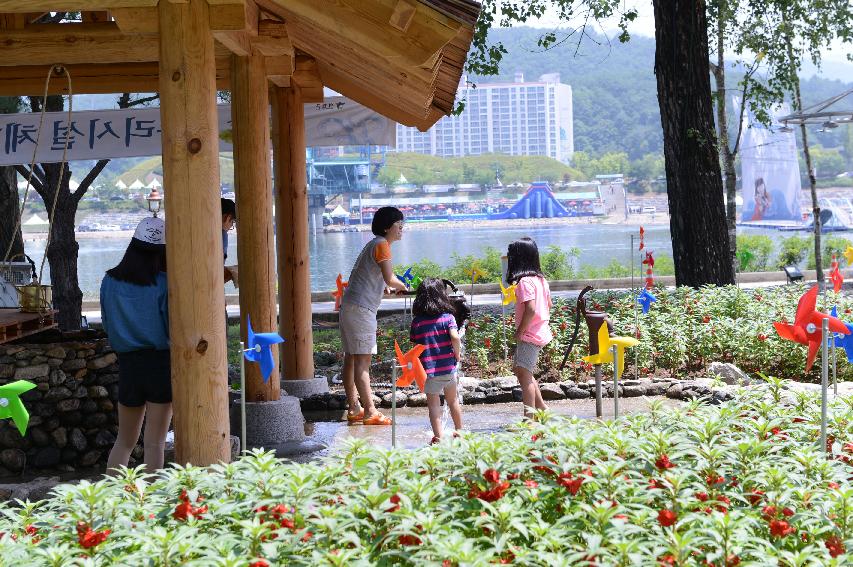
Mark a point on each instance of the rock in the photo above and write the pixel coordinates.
(401, 400)
(54, 362)
(77, 440)
(418, 400)
(38, 437)
(46, 458)
(67, 405)
(94, 420)
(631, 382)
(516, 395)
(68, 455)
(32, 395)
(60, 437)
(90, 458)
(88, 406)
(729, 373)
(573, 392)
(502, 382)
(73, 365)
(552, 392)
(657, 388)
(7, 370)
(317, 402)
(674, 391)
(13, 459)
(104, 439)
(107, 379)
(325, 358)
(468, 383)
(470, 398)
(56, 352)
(57, 377)
(43, 386)
(102, 361)
(106, 405)
(13, 350)
(11, 439)
(57, 393)
(32, 372)
(496, 396)
(634, 391)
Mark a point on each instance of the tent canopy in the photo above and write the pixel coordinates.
(339, 212)
(35, 220)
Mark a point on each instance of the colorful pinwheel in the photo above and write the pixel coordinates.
(338, 294)
(844, 341)
(413, 370)
(475, 273)
(642, 238)
(645, 299)
(649, 262)
(806, 329)
(407, 278)
(11, 405)
(835, 275)
(259, 348)
(605, 341)
(508, 293)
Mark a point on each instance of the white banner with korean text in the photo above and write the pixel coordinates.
(135, 132)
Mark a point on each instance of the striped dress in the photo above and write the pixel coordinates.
(434, 333)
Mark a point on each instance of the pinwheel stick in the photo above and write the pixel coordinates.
(834, 368)
(615, 350)
(824, 382)
(598, 410)
(636, 313)
(242, 397)
(394, 405)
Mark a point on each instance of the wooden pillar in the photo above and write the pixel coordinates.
(291, 197)
(193, 233)
(252, 178)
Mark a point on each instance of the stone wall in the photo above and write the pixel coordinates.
(73, 420)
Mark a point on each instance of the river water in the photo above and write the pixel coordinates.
(333, 253)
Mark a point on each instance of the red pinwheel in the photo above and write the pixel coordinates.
(649, 261)
(413, 370)
(835, 275)
(806, 329)
(642, 236)
(338, 294)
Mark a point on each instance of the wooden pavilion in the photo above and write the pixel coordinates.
(401, 58)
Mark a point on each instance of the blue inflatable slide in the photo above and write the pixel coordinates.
(537, 203)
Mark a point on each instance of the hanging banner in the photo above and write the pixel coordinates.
(770, 170)
(135, 132)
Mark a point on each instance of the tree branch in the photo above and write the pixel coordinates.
(143, 100)
(90, 177)
(743, 97)
(36, 183)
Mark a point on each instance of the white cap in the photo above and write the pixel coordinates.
(151, 230)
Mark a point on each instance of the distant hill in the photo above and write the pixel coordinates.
(614, 88)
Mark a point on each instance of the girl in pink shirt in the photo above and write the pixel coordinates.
(532, 312)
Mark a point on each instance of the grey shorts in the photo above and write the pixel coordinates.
(437, 384)
(526, 356)
(358, 329)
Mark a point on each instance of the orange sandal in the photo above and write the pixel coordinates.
(353, 418)
(377, 419)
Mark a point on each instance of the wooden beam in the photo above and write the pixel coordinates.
(74, 44)
(291, 197)
(404, 13)
(307, 76)
(252, 179)
(19, 6)
(94, 79)
(136, 20)
(95, 17)
(233, 15)
(12, 21)
(237, 42)
(194, 245)
(272, 39)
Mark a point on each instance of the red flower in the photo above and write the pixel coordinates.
(563, 326)
(713, 478)
(762, 337)
(780, 528)
(30, 530)
(259, 563)
(184, 509)
(89, 538)
(667, 517)
(702, 496)
(655, 483)
(666, 560)
(531, 484)
(535, 437)
(491, 475)
(769, 512)
(663, 462)
(706, 319)
(408, 539)
(732, 560)
(513, 476)
(395, 501)
(755, 497)
(571, 483)
(835, 546)
(787, 512)
(487, 343)
(834, 485)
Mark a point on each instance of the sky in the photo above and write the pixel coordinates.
(834, 59)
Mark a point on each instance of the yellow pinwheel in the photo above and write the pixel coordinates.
(849, 255)
(508, 293)
(605, 342)
(475, 273)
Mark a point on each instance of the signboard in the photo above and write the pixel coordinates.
(770, 171)
(136, 132)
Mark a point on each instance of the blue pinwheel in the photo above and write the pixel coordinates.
(844, 341)
(645, 299)
(259, 348)
(407, 277)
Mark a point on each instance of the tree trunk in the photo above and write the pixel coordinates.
(62, 256)
(700, 239)
(9, 211)
(726, 155)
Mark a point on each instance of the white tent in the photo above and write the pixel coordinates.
(155, 184)
(35, 220)
(339, 212)
(137, 185)
(402, 178)
(73, 185)
(120, 184)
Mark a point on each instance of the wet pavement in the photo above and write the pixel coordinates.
(413, 429)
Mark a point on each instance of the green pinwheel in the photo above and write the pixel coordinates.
(12, 406)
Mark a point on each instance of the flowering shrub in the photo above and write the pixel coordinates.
(739, 484)
(685, 330)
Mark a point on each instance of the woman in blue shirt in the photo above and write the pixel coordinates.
(134, 312)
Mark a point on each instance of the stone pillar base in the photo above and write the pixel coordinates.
(305, 388)
(277, 426)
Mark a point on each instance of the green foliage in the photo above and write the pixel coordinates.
(702, 484)
(557, 263)
(829, 245)
(828, 162)
(754, 252)
(794, 250)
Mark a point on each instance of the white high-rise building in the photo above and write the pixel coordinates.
(518, 118)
